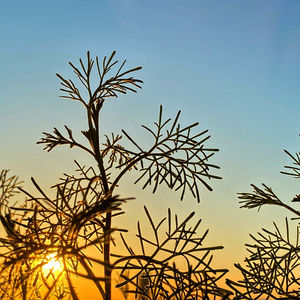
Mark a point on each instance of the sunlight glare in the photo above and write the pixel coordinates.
(53, 264)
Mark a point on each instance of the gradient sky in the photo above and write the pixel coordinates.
(231, 65)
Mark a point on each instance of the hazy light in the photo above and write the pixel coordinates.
(53, 265)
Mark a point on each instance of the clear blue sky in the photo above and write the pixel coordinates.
(234, 66)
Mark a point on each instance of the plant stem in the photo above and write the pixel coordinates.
(95, 140)
(90, 273)
(296, 212)
(107, 270)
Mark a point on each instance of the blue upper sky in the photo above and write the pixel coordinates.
(234, 66)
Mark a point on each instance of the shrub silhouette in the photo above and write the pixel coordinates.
(272, 270)
(80, 217)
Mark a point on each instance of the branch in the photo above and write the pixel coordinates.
(177, 158)
(56, 139)
(262, 197)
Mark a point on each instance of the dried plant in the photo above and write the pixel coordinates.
(272, 270)
(61, 230)
(172, 263)
(8, 187)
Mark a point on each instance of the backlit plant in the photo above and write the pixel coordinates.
(48, 239)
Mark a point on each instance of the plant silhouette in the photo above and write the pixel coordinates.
(273, 267)
(65, 227)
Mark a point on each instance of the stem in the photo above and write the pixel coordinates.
(95, 140)
(73, 293)
(107, 270)
(107, 228)
(296, 212)
(24, 285)
(114, 184)
(91, 274)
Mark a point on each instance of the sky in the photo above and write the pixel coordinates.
(233, 66)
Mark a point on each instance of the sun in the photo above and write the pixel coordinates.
(53, 264)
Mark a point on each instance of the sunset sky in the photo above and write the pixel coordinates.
(232, 65)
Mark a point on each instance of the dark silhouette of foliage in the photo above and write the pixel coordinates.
(272, 270)
(8, 187)
(173, 265)
(79, 217)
